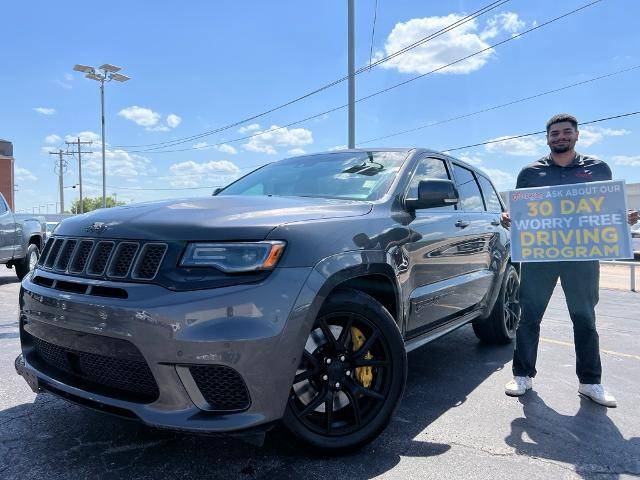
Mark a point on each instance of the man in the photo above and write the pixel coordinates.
(579, 279)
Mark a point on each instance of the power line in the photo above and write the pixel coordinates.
(456, 24)
(495, 107)
(373, 32)
(379, 92)
(488, 142)
(531, 134)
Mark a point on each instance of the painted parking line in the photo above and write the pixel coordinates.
(608, 352)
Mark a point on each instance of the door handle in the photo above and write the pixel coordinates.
(462, 224)
(495, 222)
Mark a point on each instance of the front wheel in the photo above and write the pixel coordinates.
(501, 325)
(351, 375)
(28, 263)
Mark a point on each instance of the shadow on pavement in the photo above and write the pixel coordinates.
(54, 439)
(589, 440)
(7, 279)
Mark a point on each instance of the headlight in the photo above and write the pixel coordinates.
(234, 257)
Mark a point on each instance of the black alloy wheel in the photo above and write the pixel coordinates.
(351, 374)
(501, 325)
(511, 305)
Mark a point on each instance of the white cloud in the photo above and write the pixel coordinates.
(338, 147)
(470, 159)
(278, 137)
(68, 77)
(501, 179)
(86, 136)
(173, 120)
(519, 147)
(249, 128)
(53, 138)
(625, 160)
(507, 21)
(592, 135)
(45, 110)
(64, 85)
(158, 128)
(191, 174)
(120, 163)
(47, 150)
(446, 48)
(22, 175)
(224, 148)
(296, 151)
(145, 117)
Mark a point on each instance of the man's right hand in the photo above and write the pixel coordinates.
(505, 220)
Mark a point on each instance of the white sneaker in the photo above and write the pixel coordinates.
(597, 393)
(518, 386)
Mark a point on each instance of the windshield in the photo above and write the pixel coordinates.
(349, 175)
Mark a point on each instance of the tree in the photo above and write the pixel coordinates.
(89, 204)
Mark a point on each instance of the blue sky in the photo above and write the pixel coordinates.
(199, 65)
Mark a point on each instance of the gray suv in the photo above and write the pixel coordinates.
(293, 295)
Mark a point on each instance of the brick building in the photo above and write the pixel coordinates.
(6, 172)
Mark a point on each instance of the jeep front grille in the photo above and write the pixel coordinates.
(108, 259)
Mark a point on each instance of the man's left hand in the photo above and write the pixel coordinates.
(633, 217)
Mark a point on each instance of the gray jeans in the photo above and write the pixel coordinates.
(580, 282)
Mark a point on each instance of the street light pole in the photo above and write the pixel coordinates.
(104, 163)
(107, 72)
(352, 80)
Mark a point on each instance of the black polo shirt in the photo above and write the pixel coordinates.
(545, 172)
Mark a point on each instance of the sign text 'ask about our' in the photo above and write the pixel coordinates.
(585, 221)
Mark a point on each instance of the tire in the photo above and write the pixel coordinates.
(26, 264)
(340, 406)
(501, 325)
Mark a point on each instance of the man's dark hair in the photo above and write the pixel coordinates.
(562, 117)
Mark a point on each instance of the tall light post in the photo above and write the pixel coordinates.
(104, 73)
(351, 60)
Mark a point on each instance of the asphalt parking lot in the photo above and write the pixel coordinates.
(454, 421)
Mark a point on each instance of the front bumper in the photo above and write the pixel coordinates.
(247, 328)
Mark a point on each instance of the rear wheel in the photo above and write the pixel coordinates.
(351, 375)
(28, 263)
(502, 323)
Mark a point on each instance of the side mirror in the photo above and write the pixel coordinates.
(434, 193)
(216, 191)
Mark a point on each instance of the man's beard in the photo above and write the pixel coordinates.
(562, 149)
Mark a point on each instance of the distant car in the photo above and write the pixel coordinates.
(635, 237)
(21, 239)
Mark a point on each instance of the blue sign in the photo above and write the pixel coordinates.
(584, 221)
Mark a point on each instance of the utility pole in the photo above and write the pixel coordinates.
(61, 165)
(80, 152)
(352, 80)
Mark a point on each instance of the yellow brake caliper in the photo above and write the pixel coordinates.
(364, 375)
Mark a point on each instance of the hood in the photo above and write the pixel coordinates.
(221, 218)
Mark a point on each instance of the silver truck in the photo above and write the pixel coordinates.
(20, 240)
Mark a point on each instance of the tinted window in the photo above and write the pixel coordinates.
(3, 205)
(470, 197)
(490, 196)
(353, 175)
(428, 168)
